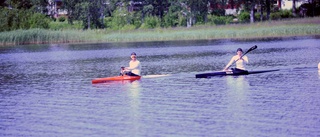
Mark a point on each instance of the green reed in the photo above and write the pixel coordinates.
(296, 27)
(38, 36)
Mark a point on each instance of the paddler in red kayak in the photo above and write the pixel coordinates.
(134, 68)
(239, 60)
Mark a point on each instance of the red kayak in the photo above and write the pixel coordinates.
(116, 78)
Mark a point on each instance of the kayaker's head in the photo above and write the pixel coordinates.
(239, 51)
(133, 56)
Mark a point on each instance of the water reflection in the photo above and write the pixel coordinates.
(237, 97)
(134, 90)
(319, 70)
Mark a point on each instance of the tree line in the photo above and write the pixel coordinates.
(132, 14)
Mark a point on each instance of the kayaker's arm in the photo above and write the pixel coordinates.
(229, 64)
(245, 59)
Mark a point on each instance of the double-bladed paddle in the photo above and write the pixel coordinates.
(251, 49)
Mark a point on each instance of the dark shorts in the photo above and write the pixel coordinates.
(239, 71)
(131, 74)
(236, 69)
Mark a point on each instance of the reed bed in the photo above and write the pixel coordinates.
(39, 36)
(296, 27)
(216, 33)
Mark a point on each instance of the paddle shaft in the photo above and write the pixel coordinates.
(251, 49)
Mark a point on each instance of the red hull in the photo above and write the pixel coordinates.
(116, 78)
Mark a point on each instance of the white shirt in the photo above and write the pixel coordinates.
(135, 67)
(240, 64)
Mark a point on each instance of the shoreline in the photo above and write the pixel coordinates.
(257, 31)
(215, 39)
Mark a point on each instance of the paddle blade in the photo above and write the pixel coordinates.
(252, 48)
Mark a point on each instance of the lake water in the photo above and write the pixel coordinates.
(46, 90)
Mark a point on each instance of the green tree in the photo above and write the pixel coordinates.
(119, 18)
(147, 11)
(38, 20)
(173, 16)
(83, 14)
(40, 5)
(215, 7)
(89, 13)
(21, 4)
(252, 10)
(13, 19)
(69, 6)
(294, 9)
(268, 9)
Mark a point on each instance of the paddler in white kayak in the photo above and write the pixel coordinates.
(134, 68)
(239, 60)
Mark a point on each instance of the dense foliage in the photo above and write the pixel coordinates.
(133, 14)
(13, 19)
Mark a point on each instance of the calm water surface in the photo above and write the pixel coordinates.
(46, 90)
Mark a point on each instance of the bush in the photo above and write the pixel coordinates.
(244, 17)
(137, 24)
(218, 12)
(136, 19)
(39, 20)
(286, 14)
(282, 14)
(13, 19)
(128, 27)
(182, 20)
(107, 22)
(219, 20)
(275, 16)
(65, 25)
(122, 18)
(170, 20)
(4, 23)
(151, 22)
(117, 23)
(62, 19)
(257, 16)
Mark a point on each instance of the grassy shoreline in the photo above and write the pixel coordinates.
(260, 30)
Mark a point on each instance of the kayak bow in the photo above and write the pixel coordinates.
(232, 73)
(115, 78)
